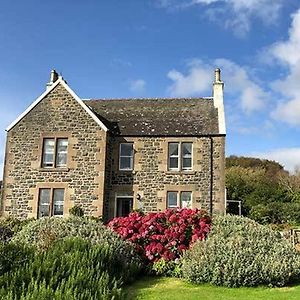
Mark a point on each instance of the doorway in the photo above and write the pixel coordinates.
(124, 205)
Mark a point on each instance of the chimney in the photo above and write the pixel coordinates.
(53, 78)
(218, 87)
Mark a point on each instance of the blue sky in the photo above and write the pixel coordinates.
(163, 48)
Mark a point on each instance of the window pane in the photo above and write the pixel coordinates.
(172, 199)
(173, 163)
(62, 150)
(187, 149)
(186, 163)
(173, 149)
(125, 163)
(44, 202)
(126, 149)
(58, 202)
(48, 153)
(126, 156)
(124, 206)
(186, 199)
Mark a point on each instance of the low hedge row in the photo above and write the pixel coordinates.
(240, 252)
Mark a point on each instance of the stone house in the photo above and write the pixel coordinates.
(113, 156)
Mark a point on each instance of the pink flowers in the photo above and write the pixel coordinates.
(164, 234)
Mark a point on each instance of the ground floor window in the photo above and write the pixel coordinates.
(124, 205)
(179, 199)
(51, 202)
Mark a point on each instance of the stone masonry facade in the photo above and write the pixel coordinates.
(91, 177)
(151, 179)
(57, 115)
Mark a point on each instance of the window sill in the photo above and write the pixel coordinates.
(181, 172)
(54, 169)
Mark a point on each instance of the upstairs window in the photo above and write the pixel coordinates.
(180, 156)
(179, 199)
(51, 202)
(126, 157)
(55, 152)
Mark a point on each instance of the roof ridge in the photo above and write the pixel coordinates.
(145, 98)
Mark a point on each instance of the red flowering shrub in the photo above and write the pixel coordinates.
(165, 234)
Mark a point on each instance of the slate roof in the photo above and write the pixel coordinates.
(157, 117)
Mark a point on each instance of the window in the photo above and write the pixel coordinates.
(179, 199)
(124, 205)
(51, 202)
(55, 152)
(126, 157)
(180, 156)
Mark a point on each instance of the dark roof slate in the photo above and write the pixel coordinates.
(157, 117)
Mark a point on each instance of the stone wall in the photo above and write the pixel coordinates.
(57, 115)
(151, 179)
(92, 178)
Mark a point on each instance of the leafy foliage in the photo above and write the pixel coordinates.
(13, 256)
(276, 213)
(43, 232)
(9, 226)
(76, 210)
(70, 269)
(165, 234)
(240, 252)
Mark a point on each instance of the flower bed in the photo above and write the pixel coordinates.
(165, 234)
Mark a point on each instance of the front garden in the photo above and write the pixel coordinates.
(179, 252)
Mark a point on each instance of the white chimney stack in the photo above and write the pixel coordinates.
(218, 87)
(53, 78)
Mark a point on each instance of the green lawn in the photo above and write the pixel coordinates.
(149, 288)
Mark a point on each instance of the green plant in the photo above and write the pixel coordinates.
(13, 256)
(240, 252)
(44, 232)
(10, 226)
(170, 268)
(70, 269)
(276, 213)
(76, 211)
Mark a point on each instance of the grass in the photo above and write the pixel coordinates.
(154, 288)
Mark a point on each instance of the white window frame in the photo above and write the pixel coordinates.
(132, 157)
(179, 199)
(51, 201)
(182, 156)
(179, 157)
(55, 153)
(177, 202)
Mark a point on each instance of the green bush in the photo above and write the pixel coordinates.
(170, 268)
(13, 256)
(76, 211)
(276, 213)
(42, 233)
(70, 269)
(10, 226)
(240, 252)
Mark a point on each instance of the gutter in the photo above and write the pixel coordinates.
(211, 175)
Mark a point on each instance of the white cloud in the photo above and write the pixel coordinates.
(198, 80)
(233, 14)
(287, 53)
(199, 77)
(288, 157)
(137, 86)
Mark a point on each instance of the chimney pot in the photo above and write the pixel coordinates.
(53, 78)
(217, 75)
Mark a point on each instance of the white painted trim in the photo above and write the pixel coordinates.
(132, 161)
(72, 93)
